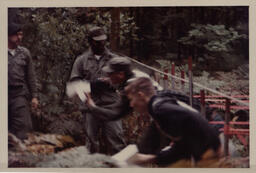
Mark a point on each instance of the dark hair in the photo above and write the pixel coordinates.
(142, 84)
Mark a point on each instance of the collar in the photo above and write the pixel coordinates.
(92, 55)
(13, 51)
(151, 104)
(97, 57)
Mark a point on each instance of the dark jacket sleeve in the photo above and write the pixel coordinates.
(175, 153)
(149, 143)
(31, 76)
(113, 111)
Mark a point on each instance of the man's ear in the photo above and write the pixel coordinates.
(141, 94)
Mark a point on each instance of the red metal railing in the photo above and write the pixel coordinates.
(216, 101)
(228, 130)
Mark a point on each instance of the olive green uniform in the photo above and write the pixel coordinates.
(21, 87)
(87, 67)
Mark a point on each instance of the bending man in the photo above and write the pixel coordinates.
(191, 134)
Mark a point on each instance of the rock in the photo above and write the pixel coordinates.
(42, 150)
(77, 157)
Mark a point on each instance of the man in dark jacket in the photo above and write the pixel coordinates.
(21, 84)
(119, 73)
(191, 134)
(88, 67)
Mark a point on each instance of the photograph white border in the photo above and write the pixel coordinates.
(4, 4)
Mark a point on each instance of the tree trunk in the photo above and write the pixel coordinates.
(115, 29)
(131, 39)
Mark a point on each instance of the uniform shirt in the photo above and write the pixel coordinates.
(21, 71)
(120, 108)
(88, 67)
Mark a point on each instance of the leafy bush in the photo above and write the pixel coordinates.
(55, 37)
(215, 43)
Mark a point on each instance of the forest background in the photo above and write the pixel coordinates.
(215, 37)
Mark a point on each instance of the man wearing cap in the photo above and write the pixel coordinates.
(88, 66)
(21, 84)
(120, 73)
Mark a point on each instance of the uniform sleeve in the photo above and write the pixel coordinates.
(113, 111)
(31, 77)
(149, 143)
(76, 72)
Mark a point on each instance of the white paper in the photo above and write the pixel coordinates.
(125, 154)
(78, 88)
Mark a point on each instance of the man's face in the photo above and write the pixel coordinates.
(16, 38)
(98, 47)
(117, 77)
(138, 102)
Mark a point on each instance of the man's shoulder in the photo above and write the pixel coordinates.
(162, 100)
(111, 54)
(24, 49)
(84, 55)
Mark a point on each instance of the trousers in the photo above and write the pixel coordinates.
(112, 132)
(19, 117)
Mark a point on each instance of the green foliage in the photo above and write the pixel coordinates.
(216, 46)
(55, 37)
(214, 38)
(54, 41)
(208, 81)
(128, 29)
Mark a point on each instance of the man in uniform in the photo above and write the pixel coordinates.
(21, 84)
(119, 73)
(88, 67)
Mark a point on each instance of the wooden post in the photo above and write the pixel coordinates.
(173, 73)
(190, 81)
(226, 128)
(166, 79)
(182, 82)
(202, 101)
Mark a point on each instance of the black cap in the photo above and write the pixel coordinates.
(117, 64)
(13, 28)
(97, 33)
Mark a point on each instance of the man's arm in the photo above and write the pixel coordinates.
(76, 73)
(109, 112)
(175, 153)
(31, 79)
(31, 76)
(150, 142)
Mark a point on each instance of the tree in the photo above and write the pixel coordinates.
(214, 41)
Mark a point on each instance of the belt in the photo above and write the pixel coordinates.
(15, 87)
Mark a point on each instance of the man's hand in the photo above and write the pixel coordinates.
(34, 103)
(89, 101)
(105, 79)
